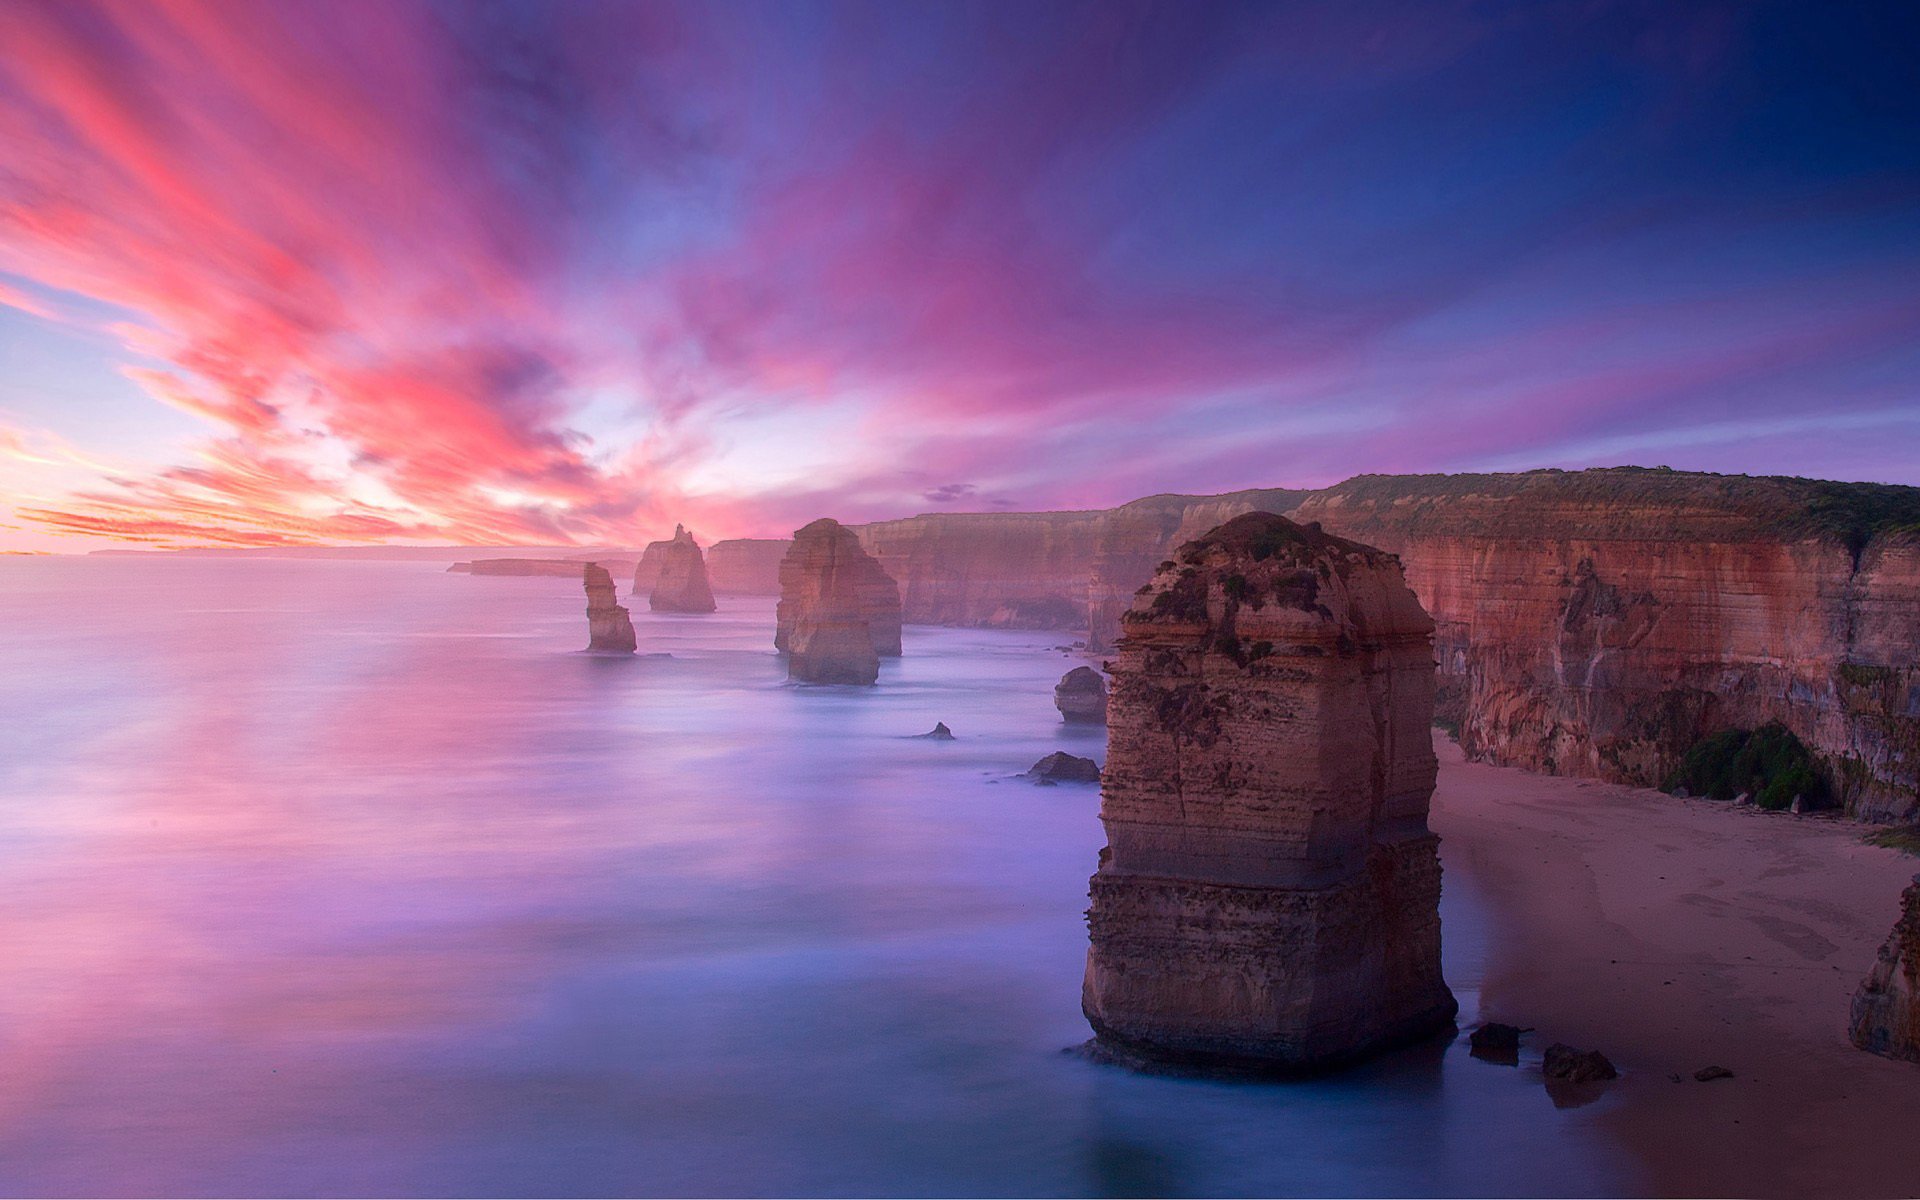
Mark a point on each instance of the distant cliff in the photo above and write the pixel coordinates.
(1590, 622)
(746, 566)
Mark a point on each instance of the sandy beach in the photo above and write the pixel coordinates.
(1673, 934)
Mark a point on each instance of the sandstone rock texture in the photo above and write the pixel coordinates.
(1081, 697)
(1592, 623)
(746, 566)
(608, 626)
(838, 612)
(1886, 1009)
(1601, 622)
(679, 575)
(1269, 896)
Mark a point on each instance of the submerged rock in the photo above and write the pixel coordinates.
(1081, 697)
(1568, 1065)
(1886, 1008)
(1709, 1074)
(939, 733)
(680, 576)
(838, 610)
(1060, 767)
(609, 628)
(1495, 1042)
(1270, 899)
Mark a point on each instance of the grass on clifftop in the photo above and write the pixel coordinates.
(1769, 764)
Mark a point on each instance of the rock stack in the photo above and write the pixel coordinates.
(1886, 1009)
(1081, 697)
(839, 612)
(1269, 897)
(608, 626)
(680, 576)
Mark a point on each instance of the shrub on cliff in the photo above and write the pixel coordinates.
(1769, 763)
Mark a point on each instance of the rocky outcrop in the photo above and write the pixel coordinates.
(1081, 697)
(827, 552)
(1269, 895)
(838, 611)
(746, 566)
(1061, 767)
(608, 626)
(1886, 1009)
(679, 575)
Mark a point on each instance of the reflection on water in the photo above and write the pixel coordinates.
(323, 877)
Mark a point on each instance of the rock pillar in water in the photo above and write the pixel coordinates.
(681, 579)
(1081, 697)
(608, 626)
(839, 612)
(1886, 1009)
(1269, 897)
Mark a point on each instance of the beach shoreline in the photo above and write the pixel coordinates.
(1678, 934)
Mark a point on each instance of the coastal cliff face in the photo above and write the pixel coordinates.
(1269, 895)
(1886, 1009)
(1041, 570)
(746, 566)
(609, 628)
(838, 611)
(680, 583)
(1600, 623)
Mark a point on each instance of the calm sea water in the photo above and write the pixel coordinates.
(356, 878)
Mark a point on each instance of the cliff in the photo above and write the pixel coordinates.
(562, 568)
(680, 576)
(1602, 622)
(608, 626)
(838, 611)
(746, 566)
(1269, 895)
(1035, 570)
(1886, 1009)
(1591, 623)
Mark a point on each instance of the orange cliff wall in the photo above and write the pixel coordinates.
(1599, 623)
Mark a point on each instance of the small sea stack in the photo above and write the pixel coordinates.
(680, 579)
(609, 628)
(1081, 697)
(1269, 897)
(1886, 1008)
(838, 612)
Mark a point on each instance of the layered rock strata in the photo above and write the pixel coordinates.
(1081, 697)
(679, 577)
(1269, 895)
(838, 611)
(608, 626)
(1886, 1009)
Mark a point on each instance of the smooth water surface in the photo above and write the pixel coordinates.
(337, 877)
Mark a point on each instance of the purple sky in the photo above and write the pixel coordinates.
(345, 271)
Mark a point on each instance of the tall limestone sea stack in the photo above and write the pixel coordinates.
(1269, 897)
(1886, 1009)
(838, 612)
(608, 626)
(681, 584)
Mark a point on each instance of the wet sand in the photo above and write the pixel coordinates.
(1673, 934)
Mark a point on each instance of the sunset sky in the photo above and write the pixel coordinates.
(350, 272)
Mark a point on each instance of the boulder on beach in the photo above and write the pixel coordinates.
(1568, 1065)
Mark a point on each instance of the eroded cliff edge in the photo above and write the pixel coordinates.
(1592, 623)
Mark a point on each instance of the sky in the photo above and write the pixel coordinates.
(345, 271)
